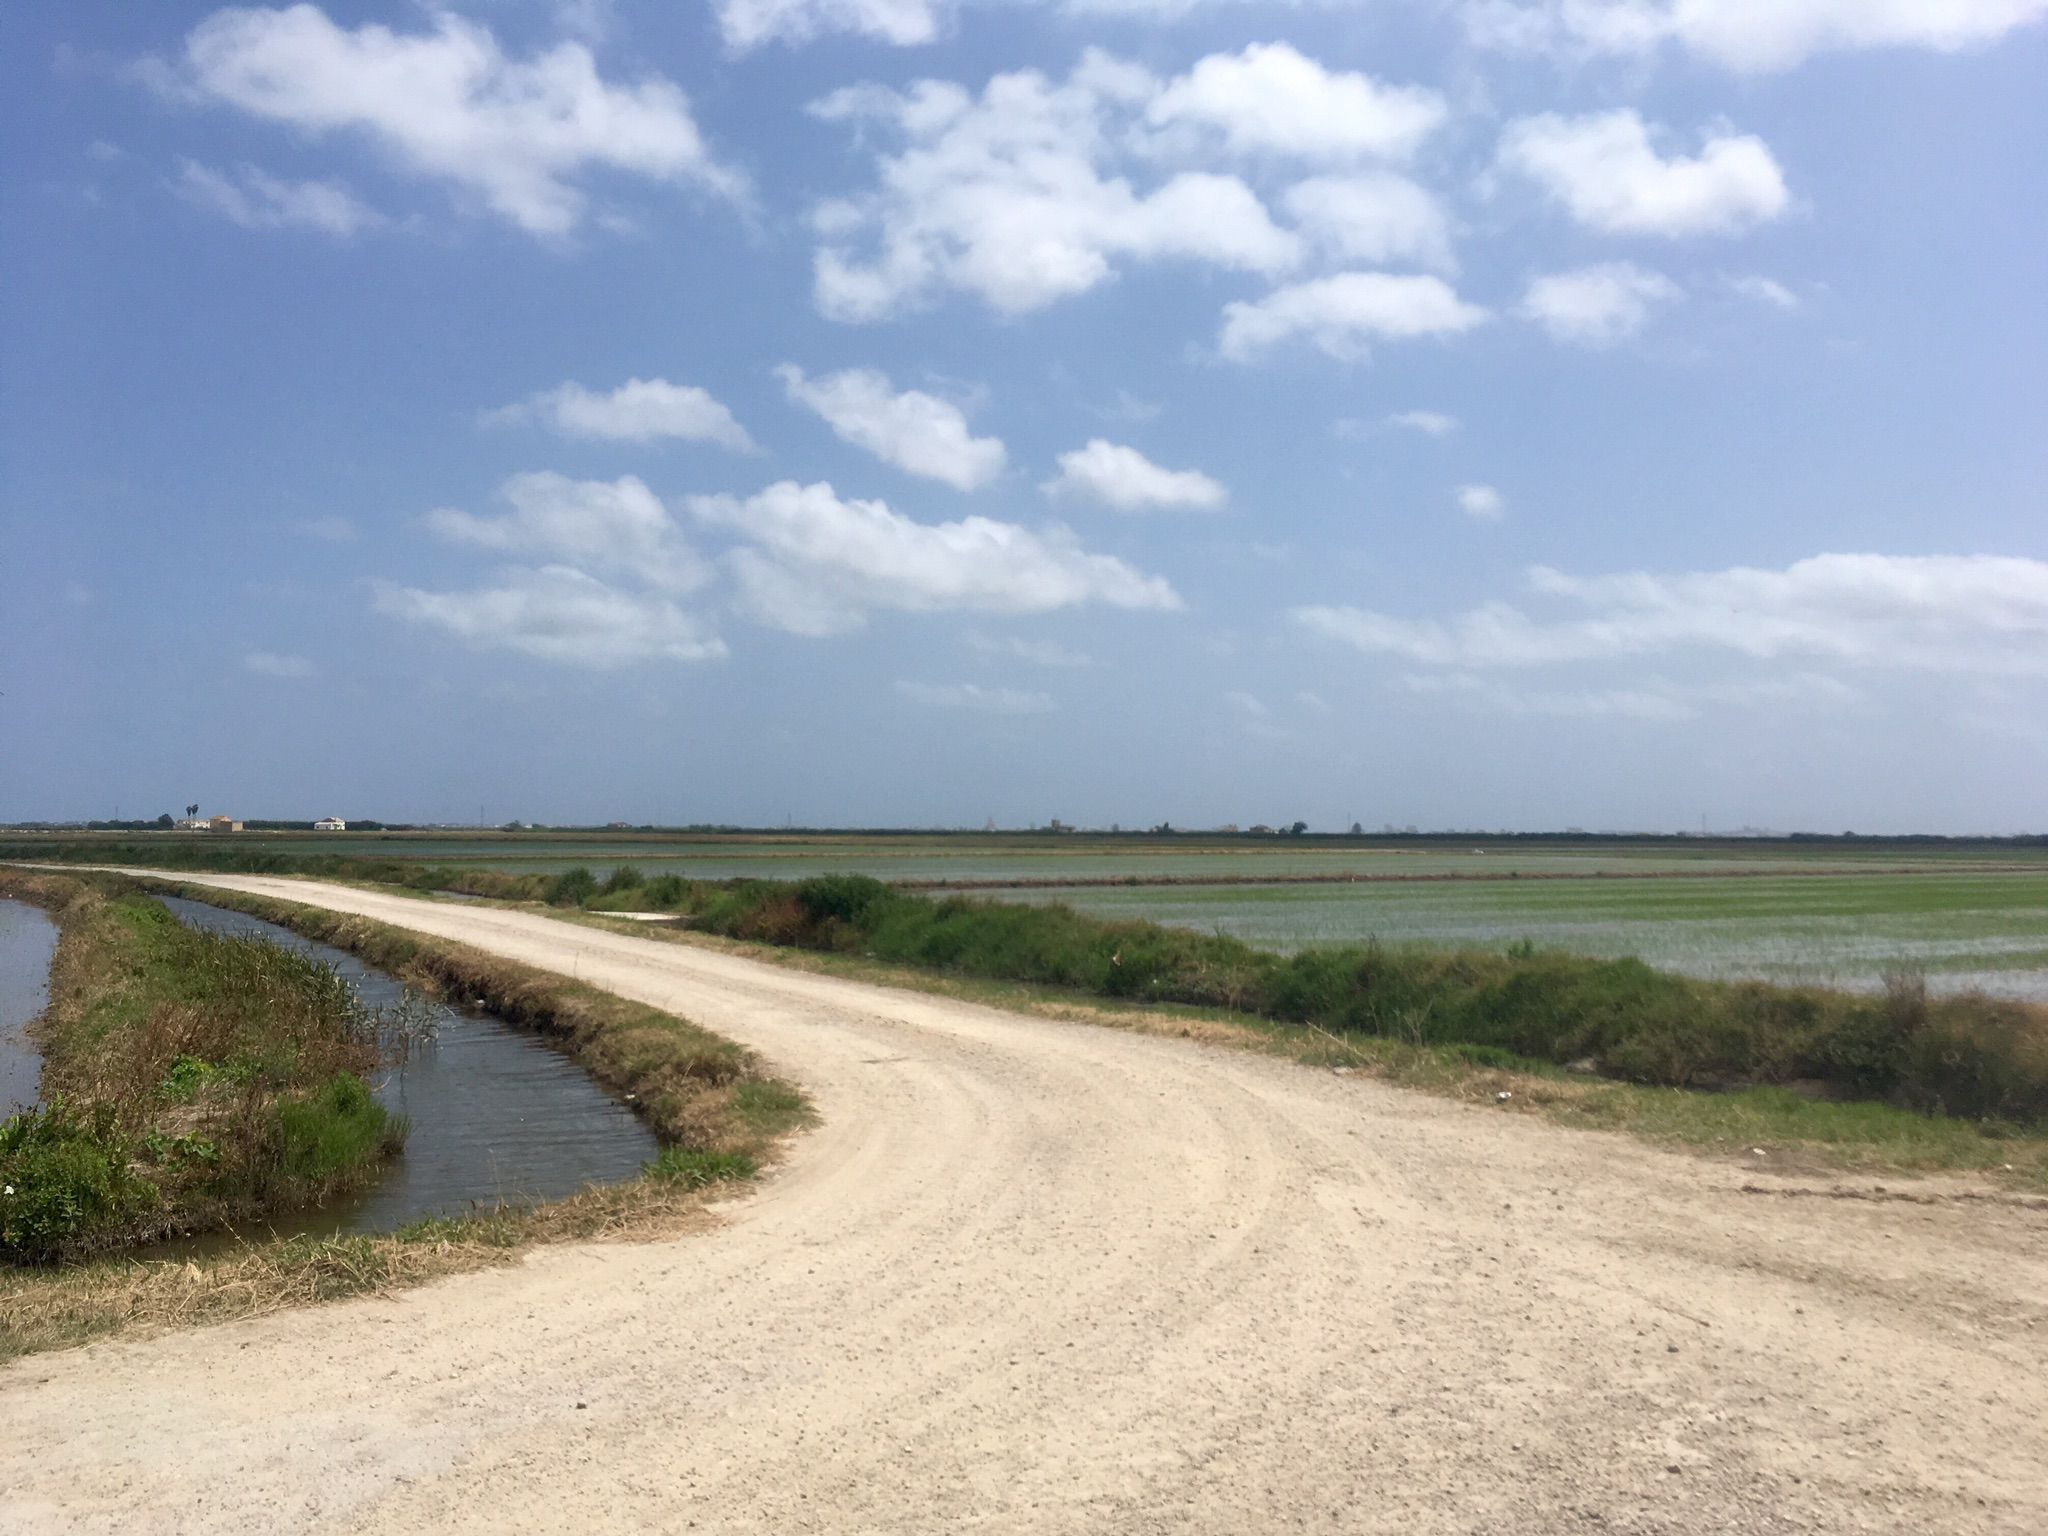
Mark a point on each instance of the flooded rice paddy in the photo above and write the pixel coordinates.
(1835, 917)
(1965, 931)
(997, 858)
(1835, 913)
(1830, 916)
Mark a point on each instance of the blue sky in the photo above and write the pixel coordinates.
(1613, 413)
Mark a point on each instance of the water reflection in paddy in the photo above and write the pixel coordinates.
(27, 942)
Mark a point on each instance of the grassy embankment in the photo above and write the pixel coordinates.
(716, 1111)
(1899, 1081)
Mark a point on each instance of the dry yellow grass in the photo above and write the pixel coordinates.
(51, 1309)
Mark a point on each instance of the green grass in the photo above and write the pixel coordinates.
(679, 1165)
(190, 1080)
(334, 1128)
(65, 1172)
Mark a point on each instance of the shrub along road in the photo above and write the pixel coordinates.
(1032, 1276)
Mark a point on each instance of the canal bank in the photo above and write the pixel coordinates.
(718, 1115)
(495, 1116)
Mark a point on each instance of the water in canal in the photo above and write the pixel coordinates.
(496, 1115)
(27, 941)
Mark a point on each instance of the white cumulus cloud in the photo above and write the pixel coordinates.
(1123, 478)
(1375, 217)
(914, 431)
(1022, 196)
(638, 411)
(255, 200)
(515, 135)
(1599, 305)
(816, 564)
(558, 614)
(1271, 99)
(1606, 172)
(1345, 314)
(609, 525)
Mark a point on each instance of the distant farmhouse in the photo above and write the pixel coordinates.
(330, 824)
(223, 824)
(195, 824)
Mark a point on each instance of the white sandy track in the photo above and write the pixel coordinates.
(1042, 1277)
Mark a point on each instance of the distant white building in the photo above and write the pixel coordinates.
(330, 824)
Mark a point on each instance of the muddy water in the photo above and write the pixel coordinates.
(497, 1116)
(27, 941)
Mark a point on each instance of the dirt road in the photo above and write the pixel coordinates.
(1034, 1277)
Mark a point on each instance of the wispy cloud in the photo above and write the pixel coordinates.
(1764, 290)
(1120, 477)
(637, 411)
(1429, 423)
(1482, 503)
(616, 526)
(991, 701)
(1744, 35)
(1983, 615)
(1656, 700)
(557, 614)
(274, 664)
(1040, 653)
(255, 200)
(1597, 306)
